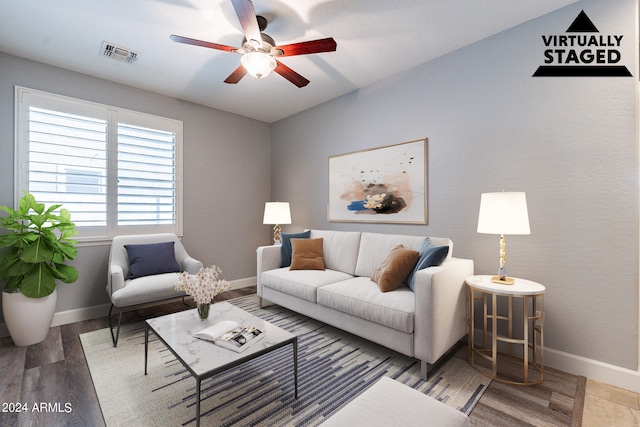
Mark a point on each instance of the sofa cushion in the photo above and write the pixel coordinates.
(301, 283)
(285, 249)
(430, 255)
(147, 289)
(361, 297)
(151, 258)
(340, 249)
(398, 264)
(306, 254)
(374, 247)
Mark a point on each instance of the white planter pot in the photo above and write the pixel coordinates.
(28, 319)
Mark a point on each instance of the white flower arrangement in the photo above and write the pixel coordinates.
(204, 285)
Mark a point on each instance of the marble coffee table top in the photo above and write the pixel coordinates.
(203, 357)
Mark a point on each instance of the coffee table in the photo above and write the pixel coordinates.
(204, 359)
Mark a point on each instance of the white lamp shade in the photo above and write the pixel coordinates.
(503, 213)
(258, 64)
(276, 213)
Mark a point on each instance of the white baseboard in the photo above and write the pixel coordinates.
(80, 314)
(243, 283)
(93, 312)
(593, 369)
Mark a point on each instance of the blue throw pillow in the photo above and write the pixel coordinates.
(285, 250)
(153, 258)
(430, 255)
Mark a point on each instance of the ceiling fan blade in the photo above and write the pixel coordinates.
(235, 77)
(305, 48)
(290, 75)
(247, 16)
(194, 42)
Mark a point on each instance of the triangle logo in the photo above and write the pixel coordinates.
(582, 24)
(582, 55)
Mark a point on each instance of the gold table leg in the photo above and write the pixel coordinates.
(529, 342)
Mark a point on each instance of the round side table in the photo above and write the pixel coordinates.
(529, 348)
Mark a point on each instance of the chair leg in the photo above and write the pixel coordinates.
(115, 337)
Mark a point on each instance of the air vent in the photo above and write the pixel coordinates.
(118, 53)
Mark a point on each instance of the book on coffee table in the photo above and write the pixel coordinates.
(231, 335)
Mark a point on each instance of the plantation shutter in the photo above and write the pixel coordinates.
(117, 171)
(146, 176)
(67, 163)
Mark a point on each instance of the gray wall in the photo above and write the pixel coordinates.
(569, 143)
(227, 166)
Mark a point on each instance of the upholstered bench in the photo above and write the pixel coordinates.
(391, 403)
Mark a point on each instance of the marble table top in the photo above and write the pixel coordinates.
(521, 287)
(203, 358)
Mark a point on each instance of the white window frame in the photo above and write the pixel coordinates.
(26, 98)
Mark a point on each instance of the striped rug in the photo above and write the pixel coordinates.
(334, 367)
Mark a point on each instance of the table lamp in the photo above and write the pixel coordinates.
(503, 213)
(276, 213)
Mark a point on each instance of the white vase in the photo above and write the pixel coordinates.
(28, 319)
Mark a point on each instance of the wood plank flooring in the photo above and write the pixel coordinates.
(52, 379)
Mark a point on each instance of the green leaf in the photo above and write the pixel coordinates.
(10, 239)
(19, 269)
(11, 224)
(13, 284)
(38, 207)
(50, 238)
(51, 209)
(39, 281)
(69, 232)
(66, 273)
(69, 251)
(25, 203)
(38, 220)
(36, 252)
(65, 215)
(30, 236)
(8, 210)
(11, 266)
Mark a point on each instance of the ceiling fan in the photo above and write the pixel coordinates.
(259, 51)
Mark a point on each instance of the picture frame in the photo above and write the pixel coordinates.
(380, 185)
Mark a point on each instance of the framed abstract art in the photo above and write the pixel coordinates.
(386, 184)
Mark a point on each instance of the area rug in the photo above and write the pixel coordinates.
(333, 368)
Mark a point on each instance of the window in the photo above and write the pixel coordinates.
(116, 171)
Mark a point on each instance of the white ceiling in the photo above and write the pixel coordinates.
(375, 38)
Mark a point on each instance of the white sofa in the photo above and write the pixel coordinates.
(423, 324)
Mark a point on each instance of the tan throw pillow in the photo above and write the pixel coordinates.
(307, 254)
(395, 268)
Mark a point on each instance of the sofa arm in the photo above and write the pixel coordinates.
(115, 280)
(440, 312)
(191, 265)
(268, 259)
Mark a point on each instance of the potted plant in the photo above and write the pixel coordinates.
(33, 256)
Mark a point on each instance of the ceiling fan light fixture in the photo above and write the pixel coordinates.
(258, 64)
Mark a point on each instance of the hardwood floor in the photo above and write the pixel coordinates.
(50, 384)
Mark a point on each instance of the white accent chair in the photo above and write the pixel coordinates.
(127, 293)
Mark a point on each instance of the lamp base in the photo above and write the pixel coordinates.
(503, 280)
(277, 239)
